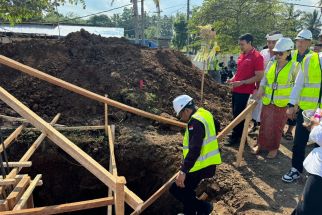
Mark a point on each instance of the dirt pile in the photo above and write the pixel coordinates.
(106, 66)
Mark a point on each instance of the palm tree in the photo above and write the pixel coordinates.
(312, 22)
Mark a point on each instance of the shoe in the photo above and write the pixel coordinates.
(292, 175)
(207, 208)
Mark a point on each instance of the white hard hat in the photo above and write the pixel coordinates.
(180, 102)
(274, 37)
(283, 44)
(304, 35)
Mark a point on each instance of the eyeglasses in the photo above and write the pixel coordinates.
(279, 53)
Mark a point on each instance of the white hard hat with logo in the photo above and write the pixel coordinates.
(180, 102)
(283, 44)
(304, 35)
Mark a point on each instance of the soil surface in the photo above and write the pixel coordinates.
(147, 153)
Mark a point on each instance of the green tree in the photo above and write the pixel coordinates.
(101, 20)
(16, 11)
(312, 22)
(180, 29)
(290, 21)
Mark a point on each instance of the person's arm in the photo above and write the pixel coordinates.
(196, 136)
(296, 91)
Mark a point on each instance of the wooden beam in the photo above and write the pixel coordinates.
(24, 198)
(9, 140)
(237, 120)
(17, 119)
(119, 196)
(17, 192)
(18, 164)
(76, 89)
(63, 208)
(155, 196)
(6, 182)
(112, 164)
(65, 128)
(105, 117)
(243, 139)
(65, 144)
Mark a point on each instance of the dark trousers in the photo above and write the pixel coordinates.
(311, 202)
(291, 122)
(239, 103)
(187, 195)
(300, 142)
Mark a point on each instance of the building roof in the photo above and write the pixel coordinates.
(60, 30)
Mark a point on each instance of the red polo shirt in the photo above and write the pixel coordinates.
(247, 64)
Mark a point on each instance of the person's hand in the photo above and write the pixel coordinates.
(181, 177)
(290, 112)
(229, 81)
(237, 83)
(259, 94)
(310, 125)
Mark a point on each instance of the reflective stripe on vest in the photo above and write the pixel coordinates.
(284, 79)
(310, 93)
(209, 153)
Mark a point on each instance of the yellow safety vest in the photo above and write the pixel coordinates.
(209, 154)
(312, 82)
(282, 82)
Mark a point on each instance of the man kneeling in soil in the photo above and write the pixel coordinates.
(200, 153)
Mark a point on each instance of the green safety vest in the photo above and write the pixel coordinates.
(296, 52)
(312, 82)
(215, 63)
(285, 82)
(209, 154)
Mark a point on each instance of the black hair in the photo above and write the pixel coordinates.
(289, 57)
(274, 32)
(247, 37)
(190, 105)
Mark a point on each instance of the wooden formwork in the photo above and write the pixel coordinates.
(118, 194)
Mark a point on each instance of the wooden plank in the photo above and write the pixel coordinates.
(243, 139)
(105, 117)
(63, 208)
(119, 196)
(76, 89)
(17, 192)
(7, 182)
(237, 120)
(72, 128)
(9, 140)
(24, 198)
(4, 205)
(19, 177)
(18, 164)
(30, 151)
(17, 119)
(112, 163)
(65, 144)
(155, 196)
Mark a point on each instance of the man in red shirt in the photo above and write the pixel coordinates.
(250, 69)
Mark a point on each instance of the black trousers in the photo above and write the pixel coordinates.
(187, 195)
(300, 142)
(291, 122)
(239, 103)
(311, 202)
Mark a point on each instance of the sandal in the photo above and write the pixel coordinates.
(288, 135)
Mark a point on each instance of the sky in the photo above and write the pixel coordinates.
(168, 7)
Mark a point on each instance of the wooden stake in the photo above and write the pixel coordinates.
(11, 138)
(23, 200)
(243, 139)
(119, 196)
(106, 117)
(65, 144)
(76, 89)
(203, 81)
(18, 164)
(112, 163)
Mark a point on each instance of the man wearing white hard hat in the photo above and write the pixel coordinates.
(200, 152)
(267, 54)
(310, 203)
(275, 89)
(303, 43)
(306, 94)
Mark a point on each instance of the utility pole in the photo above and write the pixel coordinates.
(136, 20)
(142, 24)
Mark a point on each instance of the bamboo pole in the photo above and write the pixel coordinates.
(76, 89)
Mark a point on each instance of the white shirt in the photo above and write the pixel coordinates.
(266, 55)
(313, 162)
(299, 84)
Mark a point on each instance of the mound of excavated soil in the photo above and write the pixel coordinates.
(106, 66)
